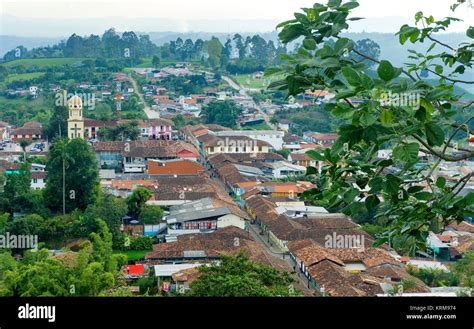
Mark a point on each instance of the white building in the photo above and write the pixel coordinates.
(272, 137)
(282, 169)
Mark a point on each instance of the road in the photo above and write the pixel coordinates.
(243, 91)
(151, 114)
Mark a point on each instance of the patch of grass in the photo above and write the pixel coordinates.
(42, 62)
(132, 255)
(23, 76)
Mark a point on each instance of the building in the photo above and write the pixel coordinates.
(75, 122)
(175, 167)
(30, 131)
(38, 180)
(326, 140)
(282, 169)
(205, 215)
(272, 137)
(133, 156)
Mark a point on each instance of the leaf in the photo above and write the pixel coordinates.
(386, 71)
(407, 152)
(309, 43)
(311, 171)
(351, 5)
(415, 189)
(441, 182)
(392, 184)
(334, 3)
(424, 196)
(371, 202)
(351, 76)
(434, 134)
(470, 32)
(386, 117)
(316, 155)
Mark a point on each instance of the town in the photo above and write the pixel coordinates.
(158, 175)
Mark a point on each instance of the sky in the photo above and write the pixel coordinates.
(61, 17)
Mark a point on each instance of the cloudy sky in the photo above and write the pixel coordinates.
(61, 17)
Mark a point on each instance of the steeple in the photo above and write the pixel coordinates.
(75, 122)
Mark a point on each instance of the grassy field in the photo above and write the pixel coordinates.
(23, 76)
(132, 255)
(147, 63)
(42, 62)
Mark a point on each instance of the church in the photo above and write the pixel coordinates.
(75, 122)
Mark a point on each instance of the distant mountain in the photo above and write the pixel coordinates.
(391, 49)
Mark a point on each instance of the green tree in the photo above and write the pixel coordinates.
(237, 276)
(378, 121)
(81, 175)
(57, 124)
(137, 201)
(150, 214)
(224, 113)
(108, 208)
(155, 61)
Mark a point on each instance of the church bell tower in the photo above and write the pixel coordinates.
(75, 122)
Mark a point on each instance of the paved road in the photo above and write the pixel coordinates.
(244, 92)
(151, 114)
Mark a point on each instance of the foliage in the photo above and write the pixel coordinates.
(137, 201)
(150, 215)
(434, 277)
(224, 113)
(90, 272)
(81, 174)
(237, 276)
(374, 123)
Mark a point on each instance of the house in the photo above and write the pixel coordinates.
(38, 180)
(166, 272)
(156, 129)
(204, 215)
(175, 167)
(349, 272)
(302, 159)
(5, 130)
(326, 140)
(133, 156)
(280, 228)
(30, 131)
(272, 137)
(206, 248)
(282, 169)
(210, 144)
(92, 127)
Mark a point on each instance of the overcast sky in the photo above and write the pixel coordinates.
(208, 15)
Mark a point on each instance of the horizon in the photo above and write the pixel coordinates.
(21, 18)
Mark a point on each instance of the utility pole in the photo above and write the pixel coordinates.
(64, 178)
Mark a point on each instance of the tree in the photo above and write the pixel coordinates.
(108, 208)
(137, 201)
(237, 276)
(179, 121)
(81, 175)
(150, 214)
(369, 48)
(155, 61)
(380, 121)
(57, 124)
(224, 113)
